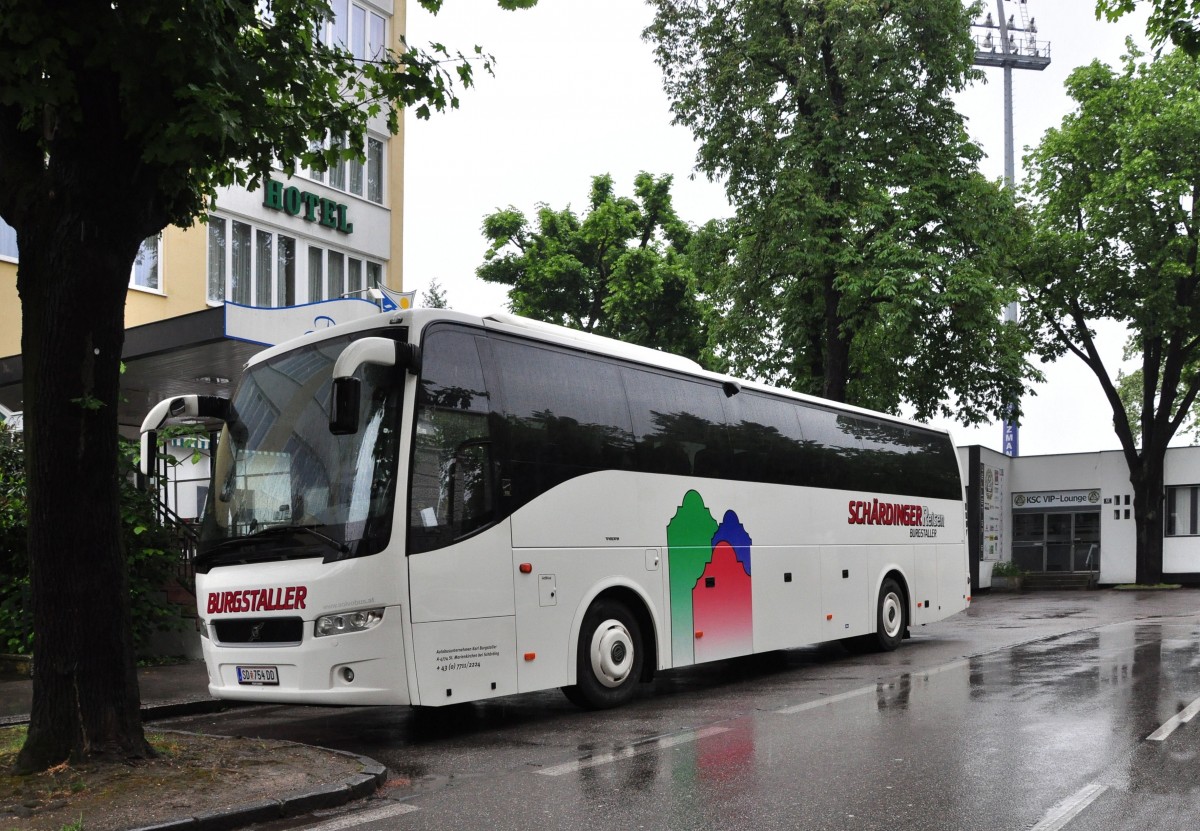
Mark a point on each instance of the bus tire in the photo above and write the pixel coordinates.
(891, 620)
(610, 657)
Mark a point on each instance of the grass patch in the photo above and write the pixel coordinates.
(12, 739)
(1143, 587)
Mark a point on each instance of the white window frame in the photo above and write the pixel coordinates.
(263, 291)
(1190, 517)
(366, 179)
(158, 267)
(8, 232)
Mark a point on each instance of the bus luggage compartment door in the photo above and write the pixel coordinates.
(465, 660)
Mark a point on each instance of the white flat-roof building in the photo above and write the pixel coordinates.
(1074, 513)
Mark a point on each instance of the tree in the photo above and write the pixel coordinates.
(1116, 192)
(1175, 20)
(435, 296)
(117, 120)
(868, 261)
(621, 271)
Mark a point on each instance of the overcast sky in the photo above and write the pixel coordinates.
(577, 93)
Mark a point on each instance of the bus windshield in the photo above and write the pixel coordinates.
(283, 485)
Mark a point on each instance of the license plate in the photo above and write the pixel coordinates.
(258, 676)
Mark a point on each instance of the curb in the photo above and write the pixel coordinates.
(156, 712)
(358, 786)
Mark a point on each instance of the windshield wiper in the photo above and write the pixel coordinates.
(226, 549)
(278, 530)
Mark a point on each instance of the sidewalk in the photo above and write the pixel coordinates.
(176, 689)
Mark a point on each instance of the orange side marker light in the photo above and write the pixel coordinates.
(529, 656)
(699, 634)
(526, 568)
(829, 617)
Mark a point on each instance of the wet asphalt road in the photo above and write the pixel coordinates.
(1040, 711)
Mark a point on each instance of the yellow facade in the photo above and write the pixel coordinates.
(10, 310)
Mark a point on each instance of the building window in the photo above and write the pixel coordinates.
(337, 275)
(1182, 513)
(239, 273)
(8, 241)
(285, 271)
(316, 274)
(376, 32)
(375, 170)
(145, 273)
(353, 176)
(216, 260)
(356, 29)
(254, 266)
(263, 261)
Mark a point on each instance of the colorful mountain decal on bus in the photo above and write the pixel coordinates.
(709, 566)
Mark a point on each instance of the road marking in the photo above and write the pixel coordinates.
(1183, 717)
(829, 699)
(632, 750)
(394, 809)
(1071, 807)
(833, 699)
(959, 664)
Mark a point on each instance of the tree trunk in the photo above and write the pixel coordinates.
(72, 279)
(1148, 500)
(836, 379)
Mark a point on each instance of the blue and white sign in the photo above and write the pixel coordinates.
(397, 300)
(1012, 439)
(270, 326)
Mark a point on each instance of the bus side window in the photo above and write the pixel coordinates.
(469, 487)
(678, 424)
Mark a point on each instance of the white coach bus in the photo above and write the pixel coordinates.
(429, 508)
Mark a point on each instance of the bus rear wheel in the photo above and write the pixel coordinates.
(610, 657)
(890, 617)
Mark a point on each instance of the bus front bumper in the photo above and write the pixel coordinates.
(358, 668)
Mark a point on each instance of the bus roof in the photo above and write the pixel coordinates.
(419, 318)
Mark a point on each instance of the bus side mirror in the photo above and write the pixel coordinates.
(183, 406)
(343, 412)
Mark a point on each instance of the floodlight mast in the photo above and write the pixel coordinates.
(1018, 48)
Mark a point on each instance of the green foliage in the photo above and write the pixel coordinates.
(435, 296)
(15, 617)
(151, 553)
(1177, 21)
(621, 270)
(1114, 191)
(868, 260)
(1006, 568)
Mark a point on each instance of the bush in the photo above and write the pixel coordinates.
(151, 556)
(1006, 568)
(16, 617)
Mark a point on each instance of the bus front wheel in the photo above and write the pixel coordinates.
(610, 657)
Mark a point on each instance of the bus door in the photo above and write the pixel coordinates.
(459, 554)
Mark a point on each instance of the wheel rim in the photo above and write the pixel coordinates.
(891, 615)
(611, 653)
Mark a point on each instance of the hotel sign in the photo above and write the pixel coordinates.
(312, 207)
(1032, 500)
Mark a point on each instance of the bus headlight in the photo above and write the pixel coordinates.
(347, 622)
